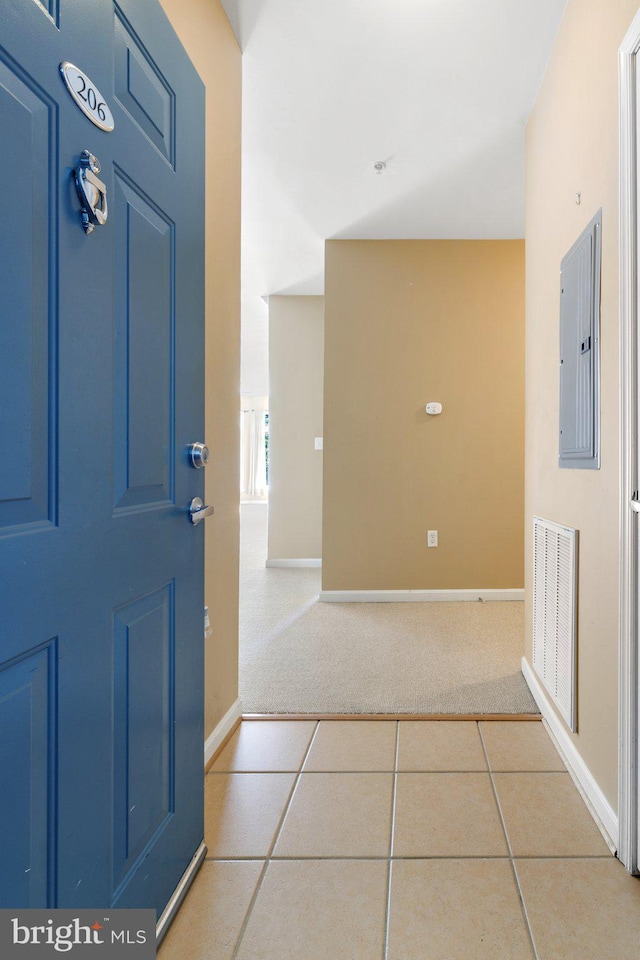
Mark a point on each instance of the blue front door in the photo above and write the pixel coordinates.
(101, 392)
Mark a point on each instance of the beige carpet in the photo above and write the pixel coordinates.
(298, 655)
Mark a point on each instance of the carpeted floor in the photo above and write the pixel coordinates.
(298, 655)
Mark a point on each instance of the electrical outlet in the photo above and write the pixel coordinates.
(432, 538)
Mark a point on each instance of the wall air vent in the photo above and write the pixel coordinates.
(554, 613)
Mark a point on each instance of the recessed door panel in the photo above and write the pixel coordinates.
(144, 359)
(27, 722)
(144, 768)
(142, 89)
(49, 7)
(27, 305)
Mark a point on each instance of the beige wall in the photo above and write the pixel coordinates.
(206, 34)
(572, 146)
(296, 350)
(406, 322)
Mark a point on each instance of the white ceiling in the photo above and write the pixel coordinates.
(440, 90)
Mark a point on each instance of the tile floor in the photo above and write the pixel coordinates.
(385, 840)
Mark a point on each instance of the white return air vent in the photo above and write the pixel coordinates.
(554, 613)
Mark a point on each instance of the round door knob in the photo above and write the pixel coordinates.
(198, 454)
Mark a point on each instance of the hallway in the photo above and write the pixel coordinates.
(298, 655)
(409, 840)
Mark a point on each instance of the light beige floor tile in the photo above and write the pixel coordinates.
(440, 745)
(519, 745)
(266, 745)
(338, 815)
(456, 910)
(447, 815)
(545, 816)
(581, 909)
(209, 921)
(242, 812)
(353, 745)
(318, 910)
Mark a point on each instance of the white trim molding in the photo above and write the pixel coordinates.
(598, 805)
(222, 728)
(416, 596)
(296, 562)
(628, 621)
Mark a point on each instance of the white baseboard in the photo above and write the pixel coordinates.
(416, 596)
(599, 807)
(221, 729)
(296, 562)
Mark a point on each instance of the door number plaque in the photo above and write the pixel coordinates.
(87, 96)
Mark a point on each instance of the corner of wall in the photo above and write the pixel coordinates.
(572, 148)
(205, 31)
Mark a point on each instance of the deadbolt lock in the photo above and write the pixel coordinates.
(198, 455)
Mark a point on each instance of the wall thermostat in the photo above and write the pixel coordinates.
(433, 408)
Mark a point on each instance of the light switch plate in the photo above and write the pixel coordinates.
(318, 444)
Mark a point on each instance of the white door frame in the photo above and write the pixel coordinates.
(629, 694)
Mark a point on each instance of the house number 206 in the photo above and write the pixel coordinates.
(87, 96)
